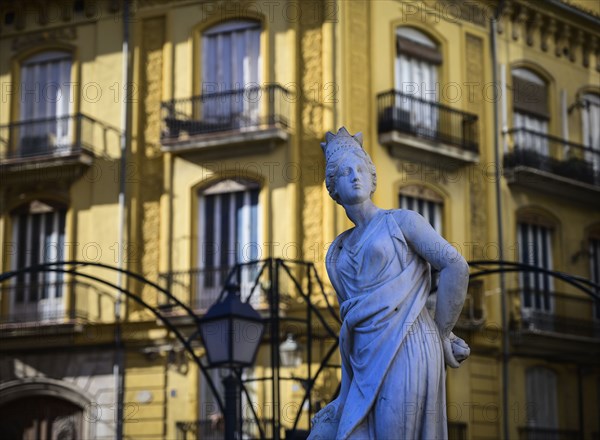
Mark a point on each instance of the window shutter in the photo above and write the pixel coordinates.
(530, 98)
(413, 49)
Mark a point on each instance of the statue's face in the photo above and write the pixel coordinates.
(353, 184)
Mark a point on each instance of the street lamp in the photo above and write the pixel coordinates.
(231, 331)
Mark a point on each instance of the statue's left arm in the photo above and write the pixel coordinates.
(453, 280)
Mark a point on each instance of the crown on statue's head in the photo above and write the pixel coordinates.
(342, 140)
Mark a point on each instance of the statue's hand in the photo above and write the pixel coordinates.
(456, 350)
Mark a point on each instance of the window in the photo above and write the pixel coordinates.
(535, 248)
(530, 111)
(430, 205)
(590, 116)
(231, 73)
(39, 234)
(595, 269)
(45, 103)
(541, 389)
(417, 61)
(209, 413)
(41, 417)
(229, 229)
(425, 201)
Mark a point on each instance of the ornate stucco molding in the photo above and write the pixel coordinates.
(551, 30)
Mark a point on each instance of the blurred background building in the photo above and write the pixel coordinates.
(178, 139)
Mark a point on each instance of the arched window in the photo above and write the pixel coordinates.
(425, 201)
(45, 103)
(39, 237)
(590, 116)
(530, 111)
(231, 59)
(41, 417)
(416, 76)
(228, 232)
(534, 236)
(541, 390)
(417, 60)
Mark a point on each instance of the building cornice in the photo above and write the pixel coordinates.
(560, 29)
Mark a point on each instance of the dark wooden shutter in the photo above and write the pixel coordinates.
(530, 98)
(413, 49)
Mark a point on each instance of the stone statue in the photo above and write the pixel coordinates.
(392, 346)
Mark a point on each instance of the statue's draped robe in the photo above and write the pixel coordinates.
(392, 358)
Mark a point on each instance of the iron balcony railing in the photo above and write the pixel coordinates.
(531, 433)
(554, 155)
(200, 288)
(47, 137)
(397, 111)
(41, 317)
(558, 313)
(45, 302)
(242, 109)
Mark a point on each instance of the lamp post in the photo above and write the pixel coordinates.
(231, 332)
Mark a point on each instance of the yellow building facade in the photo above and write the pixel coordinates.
(220, 107)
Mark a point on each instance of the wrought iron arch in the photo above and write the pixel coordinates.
(57, 267)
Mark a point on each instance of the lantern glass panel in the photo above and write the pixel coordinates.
(216, 337)
(246, 338)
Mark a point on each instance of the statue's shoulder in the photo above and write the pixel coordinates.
(404, 224)
(406, 217)
(400, 215)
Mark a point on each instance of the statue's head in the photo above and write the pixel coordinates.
(337, 147)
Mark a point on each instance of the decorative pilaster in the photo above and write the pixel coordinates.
(359, 56)
(314, 93)
(474, 75)
(150, 164)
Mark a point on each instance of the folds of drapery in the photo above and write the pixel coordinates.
(375, 325)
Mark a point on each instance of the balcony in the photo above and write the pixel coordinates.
(236, 121)
(49, 142)
(200, 288)
(43, 305)
(46, 149)
(546, 321)
(423, 131)
(546, 163)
